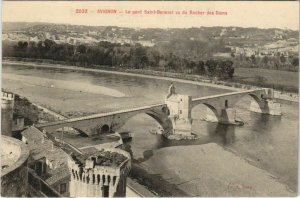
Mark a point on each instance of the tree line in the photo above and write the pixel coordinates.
(117, 55)
(278, 61)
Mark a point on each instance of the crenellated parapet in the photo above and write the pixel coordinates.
(7, 100)
(99, 174)
(8, 95)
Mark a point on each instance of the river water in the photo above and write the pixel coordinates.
(268, 142)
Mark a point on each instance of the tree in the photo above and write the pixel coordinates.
(282, 58)
(81, 49)
(265, 60)
(22, 45)
(200, 68)
(48, 43)
(253, 59)
(211, 67)
(295, 61)
(229, 70)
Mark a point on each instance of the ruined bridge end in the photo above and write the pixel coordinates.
(220, 108)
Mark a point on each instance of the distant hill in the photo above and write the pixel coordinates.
(18, 26)
(228, 36)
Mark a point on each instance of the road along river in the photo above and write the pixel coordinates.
(267, 143)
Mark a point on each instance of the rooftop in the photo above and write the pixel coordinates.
(13, 154)
(42, 147)
(58, 174)
(100, 157)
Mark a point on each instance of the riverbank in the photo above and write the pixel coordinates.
(175, 77)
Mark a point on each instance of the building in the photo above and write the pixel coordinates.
(99, 173)
(14, 158)
(7, 105)
(48, 173)
(56, 168)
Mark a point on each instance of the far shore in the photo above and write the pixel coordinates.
(282, 96)
(119, 73)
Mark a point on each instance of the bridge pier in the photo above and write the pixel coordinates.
(228, 116)
(225, 116)
(267, 106)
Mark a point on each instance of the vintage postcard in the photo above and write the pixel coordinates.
(149, 99)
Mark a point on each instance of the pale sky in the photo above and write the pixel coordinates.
(276, 14)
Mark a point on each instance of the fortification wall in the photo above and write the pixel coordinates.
(14, 173)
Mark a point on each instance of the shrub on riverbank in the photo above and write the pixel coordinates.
(32, 114)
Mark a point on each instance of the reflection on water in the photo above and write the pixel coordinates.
(270, 141)
(226, 132)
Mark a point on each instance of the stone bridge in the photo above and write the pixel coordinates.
(112, 121)
(220, 107)
(174, 115)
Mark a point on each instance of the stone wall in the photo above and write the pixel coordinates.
(14, 173)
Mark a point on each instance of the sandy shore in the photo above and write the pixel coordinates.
(216, 172)
(64, 85)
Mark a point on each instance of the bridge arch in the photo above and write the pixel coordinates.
(258, 100)
(213, 113)
(217, 105)
(160, 118)
(74, 129)
(104, 129)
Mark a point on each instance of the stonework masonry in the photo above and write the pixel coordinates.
(180, 113)
(7, 104)
(174, 115)
(14, 172)
(93, 177)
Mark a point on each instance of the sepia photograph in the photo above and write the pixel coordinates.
(149, 98)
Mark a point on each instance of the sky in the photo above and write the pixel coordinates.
(270, 14)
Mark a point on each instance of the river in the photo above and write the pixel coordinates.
(267, 142)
